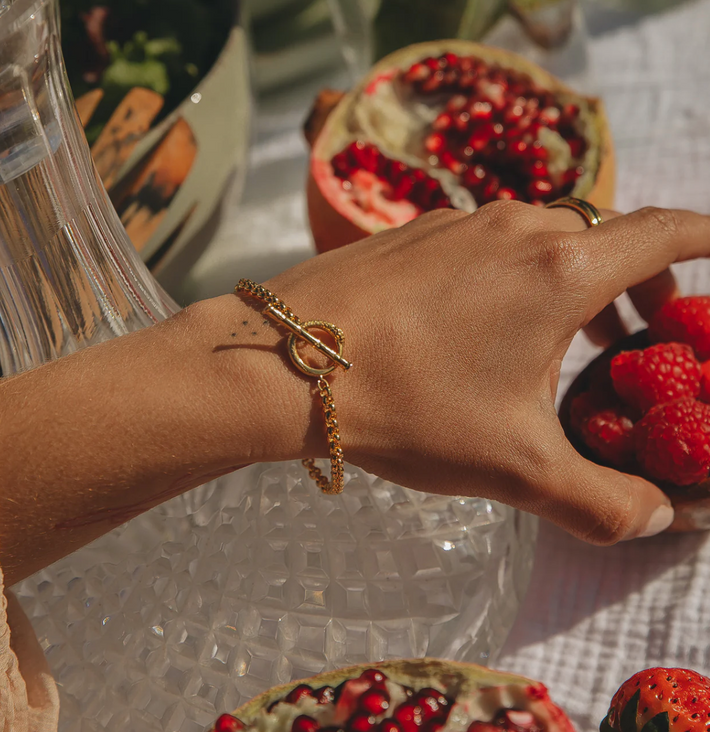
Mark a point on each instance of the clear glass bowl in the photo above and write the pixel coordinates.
(193, 608)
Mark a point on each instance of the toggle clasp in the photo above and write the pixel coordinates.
(300, 330)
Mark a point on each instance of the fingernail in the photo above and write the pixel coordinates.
(660, 520)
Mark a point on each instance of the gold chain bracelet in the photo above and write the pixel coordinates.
(278, 311)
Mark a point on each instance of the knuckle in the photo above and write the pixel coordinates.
(505, 215)
(439, 216)
(613, 524)
(663, 219)
(559, 256)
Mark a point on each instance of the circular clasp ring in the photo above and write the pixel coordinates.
(299, 363)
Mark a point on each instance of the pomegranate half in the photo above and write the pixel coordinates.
(402, 696)
(452, 124)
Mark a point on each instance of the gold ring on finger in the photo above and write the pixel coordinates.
(589, 212)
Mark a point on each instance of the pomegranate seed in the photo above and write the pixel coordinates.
(506, 194)
(423, 192)
(430, 706)
(403, 188)
(409, 716)
(537, 202)
(442, 122)
(451, 59)
(491, 189)
(389, 725)
(513, 114)
(419, 175)
(435, 142)
(228, 723)
(435, 694)
(467, 80)
(434, 726)
(461, 120)
(395, 170)
(325, 695)
(467, 64)
(450, 77)
(456, 103)
(480, 137)
(550, 116)
(540, 188)
(418, 72)
(440, 200)
(577, 146)
(454, 165)
(570, 110)
(433, 63)
(434, 83)
(375, 701)
(302, 691)
(373, 675)
(483, 727)
(539, 170)
(572, 174)
(341, 165)
(475, 176)
(304, 723)
(481, 111)
(367, 156)
(538, 151)
(518, 147)
(361, 722)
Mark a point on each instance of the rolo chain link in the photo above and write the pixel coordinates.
(281, 313)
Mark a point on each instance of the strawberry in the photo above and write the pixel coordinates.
(660, 700)
(658, 374)
(685, 320)
(673, 442)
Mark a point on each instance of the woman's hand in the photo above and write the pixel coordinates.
(457, 326)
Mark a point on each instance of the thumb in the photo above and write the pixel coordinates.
(600, 505)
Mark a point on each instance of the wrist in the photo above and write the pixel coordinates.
(267, 411)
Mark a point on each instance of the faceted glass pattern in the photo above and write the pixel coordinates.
(257, 579)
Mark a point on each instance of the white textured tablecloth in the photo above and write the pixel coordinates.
(592, 616)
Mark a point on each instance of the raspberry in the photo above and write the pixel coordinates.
(604, 427)
(686, 320)
(673, 442)
(656, 375)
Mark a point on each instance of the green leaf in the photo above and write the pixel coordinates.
(627, 721)
(659, 723)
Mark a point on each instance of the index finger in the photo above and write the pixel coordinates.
(634, 248)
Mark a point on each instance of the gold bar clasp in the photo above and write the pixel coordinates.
(300, 330)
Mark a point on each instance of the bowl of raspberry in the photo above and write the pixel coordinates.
(643, 407)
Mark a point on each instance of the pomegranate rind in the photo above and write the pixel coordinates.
(491, 689)
(335, 221)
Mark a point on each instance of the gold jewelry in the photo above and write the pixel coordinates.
(278, 311)
(590, 213)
